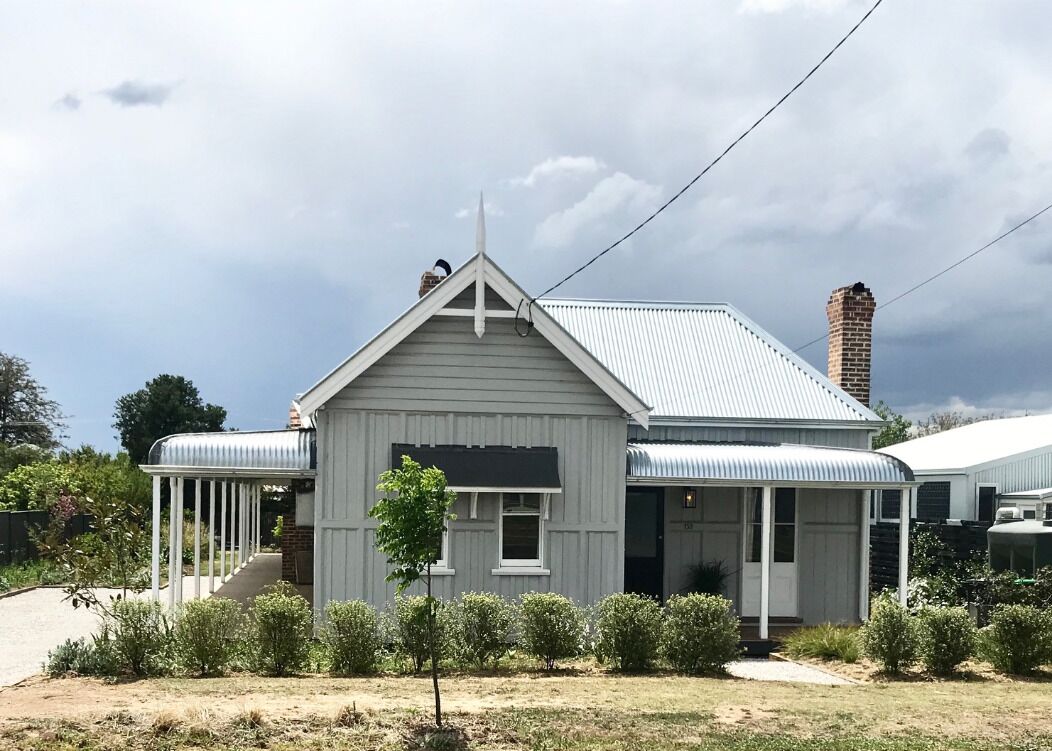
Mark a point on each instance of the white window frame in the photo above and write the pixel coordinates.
(904, 497)
(441, 566)
(997, 492)
(535, 566)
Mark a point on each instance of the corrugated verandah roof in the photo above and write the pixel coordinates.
(764, 464)
(274, 453)
(703, 360)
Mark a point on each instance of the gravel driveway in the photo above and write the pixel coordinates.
(781, 670)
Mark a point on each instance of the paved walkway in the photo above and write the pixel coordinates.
(35, 622)
(780, 670)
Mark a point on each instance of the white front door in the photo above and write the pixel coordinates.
(783, 554)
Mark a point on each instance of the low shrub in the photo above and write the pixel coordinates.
(826, 641)
(280, 627)
(351, 637)
(480, 626)
(628, 631)
(207, 635)
(93, 656)
(141, 635)
(890, 637)
(946, 638)
(411, 635)
(552, 627)
(700, 633)
(1018, 639)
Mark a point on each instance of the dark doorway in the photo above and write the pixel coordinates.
(645, 541)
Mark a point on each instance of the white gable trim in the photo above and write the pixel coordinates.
(433, 303)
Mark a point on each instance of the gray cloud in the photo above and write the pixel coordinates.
(988, 145)
(70, 102)
(138, 93)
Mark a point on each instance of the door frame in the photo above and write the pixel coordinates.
(745, 545)
(659, 503)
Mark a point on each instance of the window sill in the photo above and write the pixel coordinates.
(443, 571)
(520, 571)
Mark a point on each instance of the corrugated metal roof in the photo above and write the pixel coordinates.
(264, 452)
(698, 360)
(1039, 494)
(974, 445)
(764, 463)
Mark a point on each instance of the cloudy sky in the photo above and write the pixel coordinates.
(244, 193)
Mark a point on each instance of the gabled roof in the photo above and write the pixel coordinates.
(479, 267)
(970, 447)
(704, 361)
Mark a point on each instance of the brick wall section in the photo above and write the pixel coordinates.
(850, 313)
(428, 281)
(293, 538)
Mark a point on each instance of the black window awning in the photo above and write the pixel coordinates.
(493, 468)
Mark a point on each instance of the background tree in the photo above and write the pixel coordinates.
(27, 416)
(167, 404)
(413, 515)
(896, 431)
(940, 421)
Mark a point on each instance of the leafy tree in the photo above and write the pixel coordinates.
(167, 404)
(413, 514)
(26, 413)
(896, 431)
(40, 486)
(13, 457)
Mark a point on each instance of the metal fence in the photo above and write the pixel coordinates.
(19, 529)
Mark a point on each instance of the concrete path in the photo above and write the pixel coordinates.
(35, 622)
(781, 670)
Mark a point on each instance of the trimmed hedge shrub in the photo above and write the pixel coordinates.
(826, 641)
(890, 637)
(552, 627)
(700, 633)
(280, 627)
(207, 635)
(480, 626)
(947, 638)
(141, 635)
(628, 631)
(1018, 639)
(351, 637)
(411, 634)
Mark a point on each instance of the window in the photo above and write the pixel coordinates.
(784, 530)
(985, 502)
(933, 501)
(520, 530)
(890, 505)
(443, 551)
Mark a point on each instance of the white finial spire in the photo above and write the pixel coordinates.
(480, 270)
(480, 228)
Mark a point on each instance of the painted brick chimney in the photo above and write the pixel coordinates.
(850, 313)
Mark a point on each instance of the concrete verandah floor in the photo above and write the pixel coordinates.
(263, 570)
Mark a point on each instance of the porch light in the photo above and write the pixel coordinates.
(690, 498)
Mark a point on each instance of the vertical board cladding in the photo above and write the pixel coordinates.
(710, 532)
(854, 438)
(583, 539)
(1027, 473)
(829, 555)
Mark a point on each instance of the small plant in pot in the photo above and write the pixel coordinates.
(707, 578)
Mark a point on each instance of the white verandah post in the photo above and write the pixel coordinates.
(222, 532)
(905, 503)
(155, 545)
(259, 517)
(197, 539)
(211, 535)
(173, 529)
(767, 512)
(242, 558)
(863, 558)
(180, 522)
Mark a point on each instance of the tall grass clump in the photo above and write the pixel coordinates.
(827, 641)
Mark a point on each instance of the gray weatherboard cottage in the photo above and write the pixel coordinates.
(610, 448)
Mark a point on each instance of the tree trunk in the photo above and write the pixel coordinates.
(431, 647)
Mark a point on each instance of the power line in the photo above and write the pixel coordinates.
(946, 270)
(711, 164)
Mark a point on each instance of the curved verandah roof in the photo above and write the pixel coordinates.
(279, 454)
(729, 463)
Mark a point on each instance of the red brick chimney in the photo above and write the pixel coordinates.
(850, 313)
(429, 279)
(295, 422)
